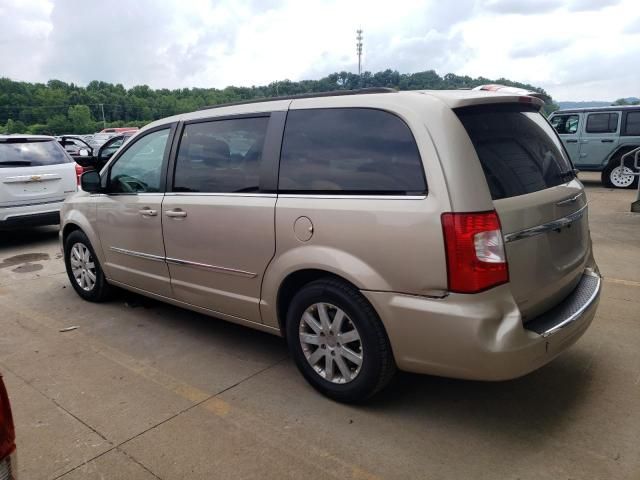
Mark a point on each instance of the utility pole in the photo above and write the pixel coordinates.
(104, 123)
(359, 49)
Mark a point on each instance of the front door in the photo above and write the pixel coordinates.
(129, 215)
(218, 224)
(599, 139)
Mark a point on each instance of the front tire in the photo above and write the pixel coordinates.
(615, 176)
(338, 342)
(83, 269)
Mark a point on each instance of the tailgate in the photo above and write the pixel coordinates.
(29, 185)
(33, 171)
(547, 245)
(541, 205)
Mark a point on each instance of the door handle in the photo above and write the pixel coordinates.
(606, 141)
(175, 213)
(572, 141)
(147, 212)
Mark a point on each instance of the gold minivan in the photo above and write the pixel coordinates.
(439, 232)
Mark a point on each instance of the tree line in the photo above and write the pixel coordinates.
(58, 107)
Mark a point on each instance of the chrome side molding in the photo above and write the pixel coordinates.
(545, 227)
(215, 268)
(177, 261)
(133, 253)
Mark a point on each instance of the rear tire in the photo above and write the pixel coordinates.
(338, 341)
(83, 268)
(613, 176)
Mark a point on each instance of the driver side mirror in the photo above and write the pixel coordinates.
(90, 182)
(83, 152)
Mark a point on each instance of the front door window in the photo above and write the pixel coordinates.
(565, 124)
(139, 168)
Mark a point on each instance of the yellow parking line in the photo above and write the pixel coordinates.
(620, 281)
(240, 418)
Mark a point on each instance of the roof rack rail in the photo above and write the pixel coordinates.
(332, 93)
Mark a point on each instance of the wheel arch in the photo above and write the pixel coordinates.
(75, 220)
(620, 150)
(293, 283)
(305, 263)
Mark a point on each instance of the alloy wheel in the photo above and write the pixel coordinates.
(331, 343)
(83, 267)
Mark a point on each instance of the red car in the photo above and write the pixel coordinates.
(7, 437)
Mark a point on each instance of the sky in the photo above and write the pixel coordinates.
(574, 49)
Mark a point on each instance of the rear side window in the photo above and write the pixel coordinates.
(349, 151)
(519, 151)
(21, 152)
(221, 156)
(632, 124)
(602, 123)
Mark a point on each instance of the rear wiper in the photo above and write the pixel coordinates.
(18, 163)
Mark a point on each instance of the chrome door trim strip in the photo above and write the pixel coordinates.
(354, 197)
(210, 194)
(545, 227)
(177, 261)
(215, 268)
(132, 253)
(581, 310)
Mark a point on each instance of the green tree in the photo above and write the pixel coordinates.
(15, 127)
(64, 107)
(58, 124)
(80, 119)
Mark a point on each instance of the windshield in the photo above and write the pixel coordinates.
(31, 153)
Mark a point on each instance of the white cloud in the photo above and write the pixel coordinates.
(576, 49)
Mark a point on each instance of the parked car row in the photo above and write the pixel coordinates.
(597, 138)
(438, 232)
(37, 173)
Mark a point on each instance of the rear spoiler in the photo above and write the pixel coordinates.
(514, 90)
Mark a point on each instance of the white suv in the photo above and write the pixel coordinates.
(36, 175)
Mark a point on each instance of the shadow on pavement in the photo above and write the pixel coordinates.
(28, 237)
(541, 400)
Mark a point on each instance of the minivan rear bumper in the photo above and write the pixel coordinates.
(482, 336)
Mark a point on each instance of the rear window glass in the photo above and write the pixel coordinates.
(632, 125)
(519, 151)
(349, 151)
(23, 153)
(602, 123)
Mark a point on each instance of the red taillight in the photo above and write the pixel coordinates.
(475, 251)
(7, 431)
(79, 172)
